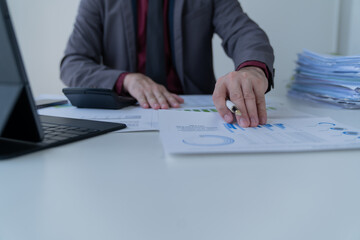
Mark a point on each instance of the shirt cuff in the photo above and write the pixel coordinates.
(259, 65)
(119, 84)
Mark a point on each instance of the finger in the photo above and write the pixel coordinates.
(173, 101)
(219, 99)
(250, 102)
(140, 97)
(168, 98)
(261, 105)
(179, 99)
(236, 96)
(142, 101)
(161, 100)
(152, 100)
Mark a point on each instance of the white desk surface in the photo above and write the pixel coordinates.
(122, 186)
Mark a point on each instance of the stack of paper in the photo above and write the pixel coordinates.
(332, 79)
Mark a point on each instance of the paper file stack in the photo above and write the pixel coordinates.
(325, 78)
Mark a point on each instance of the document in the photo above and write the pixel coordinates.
(204, 103)
(139, 119)
(135, 118)
(197, 101)
(329, 79)
(202, 133)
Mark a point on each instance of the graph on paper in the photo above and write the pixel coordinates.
(192, 132)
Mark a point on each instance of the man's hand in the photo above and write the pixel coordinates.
(246, 89)
(150, 94)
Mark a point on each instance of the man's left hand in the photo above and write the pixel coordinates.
(246, 89)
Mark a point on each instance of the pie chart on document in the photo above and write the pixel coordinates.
(208, 141)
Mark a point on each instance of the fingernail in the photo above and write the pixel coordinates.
(228, 118)
(254, 122)
(243, 122)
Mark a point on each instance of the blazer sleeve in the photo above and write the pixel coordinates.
(82, 65)
(242, 39)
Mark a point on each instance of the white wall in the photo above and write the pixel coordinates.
(354, 34)
(291, 26)
(349, 27)
(43, 27)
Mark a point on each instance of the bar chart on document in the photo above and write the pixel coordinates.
(284, 132)
(204, 103)
(139, 119)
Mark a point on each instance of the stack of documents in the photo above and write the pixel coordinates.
(325, 78)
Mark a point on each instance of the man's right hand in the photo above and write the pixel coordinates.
(150, 94)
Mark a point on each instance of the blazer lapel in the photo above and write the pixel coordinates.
(130, 32)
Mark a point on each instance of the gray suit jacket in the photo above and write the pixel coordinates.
(103, 42)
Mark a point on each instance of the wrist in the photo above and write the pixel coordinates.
(257, 76)
(263, 67)
(119, 85)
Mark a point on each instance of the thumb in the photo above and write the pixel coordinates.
(225, 113)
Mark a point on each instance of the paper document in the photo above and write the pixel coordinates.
(139, 119)
(135, 118)
(204, 103)
(197, 101)
(191, 132)
(325, 78)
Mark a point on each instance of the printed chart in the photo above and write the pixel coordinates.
(193, 132)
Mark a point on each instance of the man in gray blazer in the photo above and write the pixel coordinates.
(109, 48)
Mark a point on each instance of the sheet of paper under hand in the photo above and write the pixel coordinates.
(202, 133)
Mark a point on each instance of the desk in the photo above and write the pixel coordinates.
(123, 186)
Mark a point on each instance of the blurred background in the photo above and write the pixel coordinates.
(323, 26)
